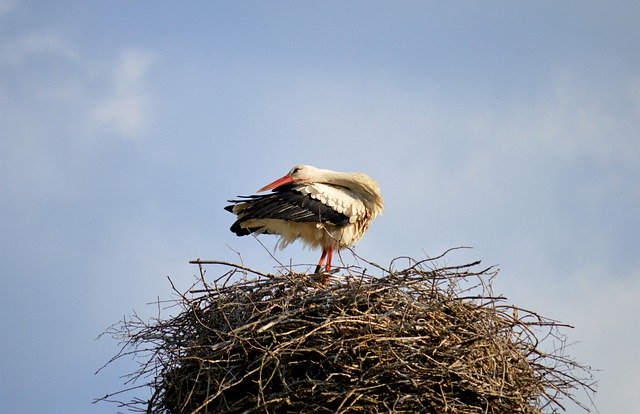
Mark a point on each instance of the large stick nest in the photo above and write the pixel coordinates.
(421, 339)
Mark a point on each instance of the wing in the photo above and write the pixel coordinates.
(340, 199)
(284, 203)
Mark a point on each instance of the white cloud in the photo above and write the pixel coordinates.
(60, 109)
(132, 67)
(125, 109)
(575, 119)
(124, 112)
(18, 51)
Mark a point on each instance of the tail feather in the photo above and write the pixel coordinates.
(244, 231)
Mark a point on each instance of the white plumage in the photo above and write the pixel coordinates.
(323, 208)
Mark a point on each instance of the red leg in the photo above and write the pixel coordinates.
(321, 262)
(329, 257)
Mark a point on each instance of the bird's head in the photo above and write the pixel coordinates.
(298, 174)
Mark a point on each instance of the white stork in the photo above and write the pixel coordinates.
(323, 208)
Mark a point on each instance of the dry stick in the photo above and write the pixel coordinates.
(267, 250)
(223, 263)
(367, 261)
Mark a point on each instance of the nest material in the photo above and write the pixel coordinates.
(421, 339)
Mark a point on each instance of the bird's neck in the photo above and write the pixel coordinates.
(359, 183)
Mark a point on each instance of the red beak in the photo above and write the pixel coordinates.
(277, 183)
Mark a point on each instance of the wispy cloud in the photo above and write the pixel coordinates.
(19, 50)
(125, 109)
(65, 104)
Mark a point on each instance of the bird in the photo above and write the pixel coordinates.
(324, 209)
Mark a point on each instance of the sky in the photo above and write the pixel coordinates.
(510, 127)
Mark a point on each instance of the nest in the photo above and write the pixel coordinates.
(422, 339)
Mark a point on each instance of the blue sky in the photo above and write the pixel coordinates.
(124, 126)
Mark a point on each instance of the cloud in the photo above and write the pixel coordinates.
(57, 104)
(125, 109)
(35, 67)
(23, 49)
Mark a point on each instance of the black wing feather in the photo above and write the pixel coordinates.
(285, 203)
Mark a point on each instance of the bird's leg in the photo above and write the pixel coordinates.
(329, 257)
(321, 262)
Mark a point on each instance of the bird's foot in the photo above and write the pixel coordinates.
(319, 271)
(322, 279)
(323, 276)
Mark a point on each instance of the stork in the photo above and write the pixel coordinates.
(323, 208)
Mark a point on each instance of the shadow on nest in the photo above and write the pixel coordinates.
(422, 339)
